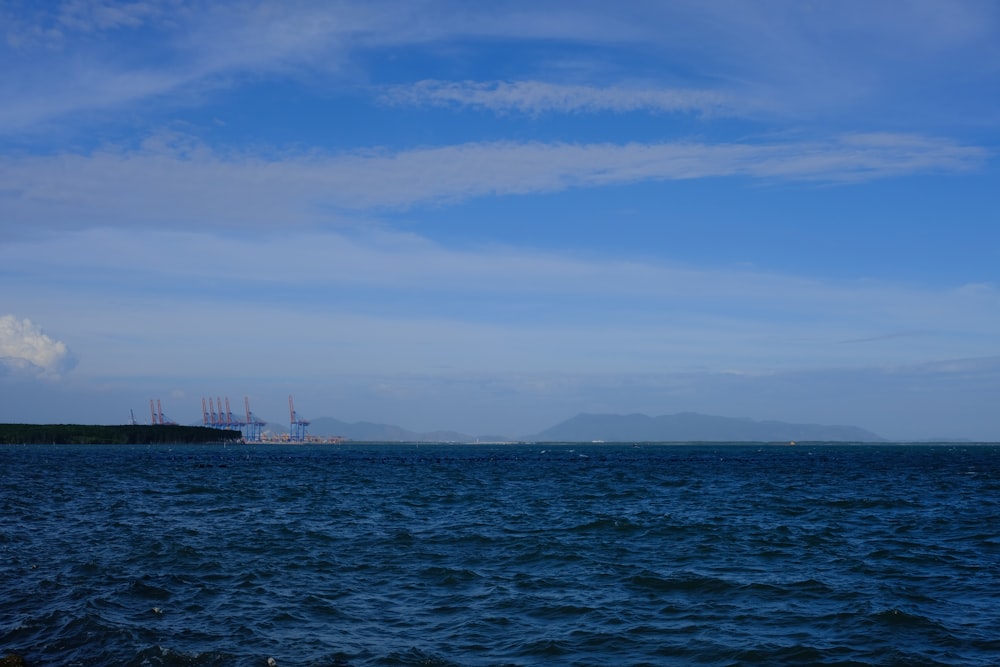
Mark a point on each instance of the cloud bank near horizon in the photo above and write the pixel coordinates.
(399, 301)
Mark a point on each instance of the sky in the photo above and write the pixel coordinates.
(490, 217)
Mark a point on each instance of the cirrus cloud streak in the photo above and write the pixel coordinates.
(397, 300)
(177, 183)
(535, 97)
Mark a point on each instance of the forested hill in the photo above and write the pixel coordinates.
(85, 434)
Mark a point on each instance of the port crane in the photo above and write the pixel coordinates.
(156, 415)
(297, 426)
(254, 425)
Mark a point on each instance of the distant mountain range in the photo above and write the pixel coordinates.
(691, 426)
(681, 427)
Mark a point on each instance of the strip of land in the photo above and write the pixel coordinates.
(86, 434)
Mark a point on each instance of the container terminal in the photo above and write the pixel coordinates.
(219, 415)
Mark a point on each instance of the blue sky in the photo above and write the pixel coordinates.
(490, 217)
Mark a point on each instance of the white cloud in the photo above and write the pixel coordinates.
(25, 347)
(535, 97)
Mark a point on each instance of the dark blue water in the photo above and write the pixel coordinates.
(507, 555)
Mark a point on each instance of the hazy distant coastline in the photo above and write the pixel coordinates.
(586, 427)
(583, 428)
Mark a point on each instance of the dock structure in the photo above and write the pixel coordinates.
(156, 415)
(297, 426)
(215, 414)
(218, 414)
(253, 427)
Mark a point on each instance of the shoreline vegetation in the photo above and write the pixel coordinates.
(137, 434)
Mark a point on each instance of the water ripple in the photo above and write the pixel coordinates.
(528, 555)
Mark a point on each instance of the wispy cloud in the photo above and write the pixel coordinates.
(177, 183)
(883, 337)
(400, 300)
(537, 97)
(101, 15)
(513, 330)
(304, 145)
(170, 52)
(791, 55)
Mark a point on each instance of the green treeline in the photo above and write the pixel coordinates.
(82, 434)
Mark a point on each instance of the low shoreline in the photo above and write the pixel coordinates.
(129, 434)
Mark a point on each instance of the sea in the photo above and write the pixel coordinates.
(526, 554)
